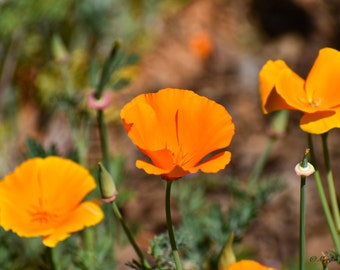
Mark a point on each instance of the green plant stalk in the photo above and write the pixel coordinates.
(103, 140)
(129, 235)
(105, 149)
(304, 164)
(261, 162)
(107, 70)
(48, 258)
(107, 164)
(170, 226)
(278, 127)
(323, 198)
(330, 181)
(302, 222)
(89, 244)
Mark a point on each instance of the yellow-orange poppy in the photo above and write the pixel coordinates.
(317, 97)
(42, 197)
(248, 265)
(180, 131)
(200, 44)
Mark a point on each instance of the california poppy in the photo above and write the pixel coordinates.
(180, 131)
(248, 265)
(317, 97)
(42, 197)
(200, 45)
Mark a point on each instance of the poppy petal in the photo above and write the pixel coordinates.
(323, 84)
(86, 214)
(215, 163)
(320, 122)
(268, 76)
(290, 87)
(200, 133)
(248, 264)
(143, 128)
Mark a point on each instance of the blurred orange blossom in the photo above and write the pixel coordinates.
(317, 97)
(42, 197)
(180, 131)
(200, 45)
(248, 265)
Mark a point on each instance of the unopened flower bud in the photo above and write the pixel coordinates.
(60, 52)
(227, 256)
(107, 186)
(304, 171)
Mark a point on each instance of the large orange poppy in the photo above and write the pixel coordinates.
(42, 197)
(248, 265)
(180, 131)
(317, 97)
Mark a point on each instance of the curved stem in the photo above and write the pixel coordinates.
(129, 235)
(106, 73)
(330, 181)
(323, 198)
(170, 226)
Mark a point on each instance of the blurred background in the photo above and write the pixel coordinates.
(51, 55)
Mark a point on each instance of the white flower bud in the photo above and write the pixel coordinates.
(304, 171)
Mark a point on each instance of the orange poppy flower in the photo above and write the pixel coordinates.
(42, 197)
(180, 131)
(248, 265)
(317, 97)
(200, 45)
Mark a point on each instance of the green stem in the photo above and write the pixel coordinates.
(330, 181)
(89, 244)
(261, 162)
(304, 164)
(302, 222)
(106, 73)
(107, 69)
(129, 235)
(48, 258)
(103, 140)
(323, 198)
(278, 127)
(170, 226)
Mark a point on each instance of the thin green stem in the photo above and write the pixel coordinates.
(129, 235)
(48, 259)
(302, 222)
(103, 140)
(261, 162)
(304, 164)
(323, 198)
(170, 226)
(330, 181)
(278, 127)
(106, 73)
(89, 244)
(107, 69)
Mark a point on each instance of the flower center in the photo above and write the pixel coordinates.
(42, 217)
